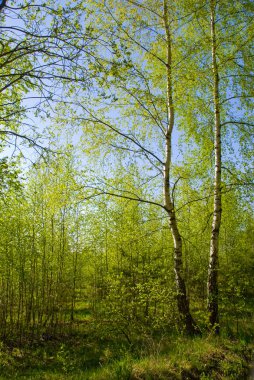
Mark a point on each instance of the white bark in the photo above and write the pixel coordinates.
(182, 301)
(212, 283)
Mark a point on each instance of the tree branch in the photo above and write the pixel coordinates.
(126, 136)
(117, 195)
(3, 4)
(237, 122)
(237, 97)
(24, 137)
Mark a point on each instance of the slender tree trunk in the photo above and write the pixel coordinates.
(75, 267)
(182, 301)
(212, 283)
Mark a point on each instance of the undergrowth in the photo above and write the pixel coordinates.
(168, 357)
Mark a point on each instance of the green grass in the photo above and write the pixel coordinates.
(82, 357)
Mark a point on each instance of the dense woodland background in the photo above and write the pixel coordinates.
(126, 208)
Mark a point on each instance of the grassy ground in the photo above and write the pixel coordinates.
(81, 357)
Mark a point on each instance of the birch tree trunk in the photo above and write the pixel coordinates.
(182, 300)
(212, 283)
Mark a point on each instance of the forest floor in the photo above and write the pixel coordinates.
(81, 357)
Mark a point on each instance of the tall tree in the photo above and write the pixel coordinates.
(214, 245)
(139, 87)
(183, 304)
(217, 122)
(236, 93)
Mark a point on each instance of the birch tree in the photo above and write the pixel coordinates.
(138, 79)
(182, 300)
(170, 66)
(214, 245)
(240, 92)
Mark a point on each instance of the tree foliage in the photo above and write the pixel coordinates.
(148, 106)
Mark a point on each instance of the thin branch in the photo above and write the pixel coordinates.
(237, 97)
(117, 195)
(133, 95)
(24, 137)
(134, 40)
(174, 188)
(160, 124)
(124, 135)
(144, 7)
(237, 122)
(194, 200)
(237, 75)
